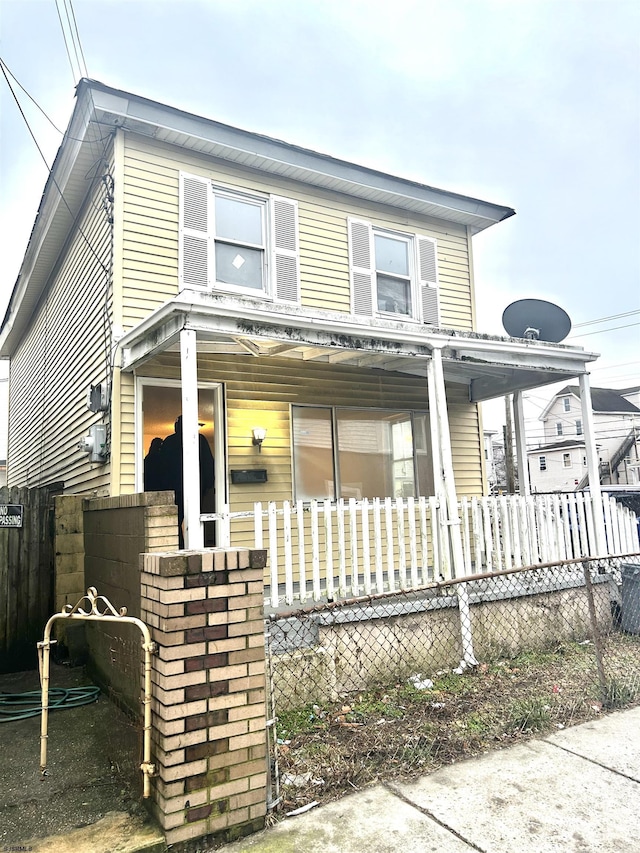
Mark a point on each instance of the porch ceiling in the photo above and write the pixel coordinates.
(490, 366)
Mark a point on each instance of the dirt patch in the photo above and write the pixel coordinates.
(416, 726)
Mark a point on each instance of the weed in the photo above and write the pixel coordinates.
(531, 714)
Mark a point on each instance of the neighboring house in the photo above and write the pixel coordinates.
(495, 462)
(325, 303)
(559, 463)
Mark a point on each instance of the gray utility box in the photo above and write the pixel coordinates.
(631, 597)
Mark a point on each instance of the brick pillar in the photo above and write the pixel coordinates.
(205, 611)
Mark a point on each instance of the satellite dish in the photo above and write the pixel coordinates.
(536, 320)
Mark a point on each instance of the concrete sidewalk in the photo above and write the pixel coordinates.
(577, 790)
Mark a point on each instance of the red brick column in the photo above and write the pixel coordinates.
(205, 611)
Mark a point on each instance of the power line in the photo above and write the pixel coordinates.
(31, 98)
(602, 331)
(606, 319)
(73, 39)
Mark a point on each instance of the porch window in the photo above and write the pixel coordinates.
(360, 453)
(238, 241)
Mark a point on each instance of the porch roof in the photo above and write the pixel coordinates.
(489, 365)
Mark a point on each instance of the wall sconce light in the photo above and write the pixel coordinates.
(259, 435)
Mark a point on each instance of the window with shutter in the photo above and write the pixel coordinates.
(239, 242)
(393, 275)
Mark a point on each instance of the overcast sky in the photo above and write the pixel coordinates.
(526, 103)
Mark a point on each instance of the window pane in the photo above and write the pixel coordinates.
(312, 453)
(375, 454)
(424, 456)
(394, 295)
(391, 255)
(238, 265)
(238, 220)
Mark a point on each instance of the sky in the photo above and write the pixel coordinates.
(533, 104)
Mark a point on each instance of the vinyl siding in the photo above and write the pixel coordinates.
(150, 244)
(63, 352)
(260, 392)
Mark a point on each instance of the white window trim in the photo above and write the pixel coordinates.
(261, 203)
(566, 457)
(414, 283)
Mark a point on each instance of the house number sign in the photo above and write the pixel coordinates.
(11, 515)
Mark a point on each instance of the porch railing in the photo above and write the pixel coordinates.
(322, 550)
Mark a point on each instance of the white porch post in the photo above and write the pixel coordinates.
(524, 481)
(593, 466)
(434, 428)
(193, 530)
(452, 506)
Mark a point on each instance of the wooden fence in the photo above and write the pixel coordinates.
(26, 576)
(336, 549)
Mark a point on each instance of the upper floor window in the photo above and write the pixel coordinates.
(239, 232)
(566, 460)
(566, 403)
(578, 427)
(393, 274)
(558, 428)
(237, 241)
(542, 461)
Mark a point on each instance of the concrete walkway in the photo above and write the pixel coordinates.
(577, 790)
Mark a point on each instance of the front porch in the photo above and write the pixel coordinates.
(375, 541)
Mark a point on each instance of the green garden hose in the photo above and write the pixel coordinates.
(19, 706)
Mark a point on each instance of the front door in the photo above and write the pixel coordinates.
(160, 408)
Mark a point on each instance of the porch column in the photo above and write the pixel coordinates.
(434, 428)
(524, 480)
(454, 524)
(193, 531)
(593, 466)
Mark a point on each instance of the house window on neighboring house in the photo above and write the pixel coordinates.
(578, 427)
(392, 274)
(584, 461)
(558, 428)
(542, 461)
(238, 242)
(360, 453)
(566, 402)
(566, 460)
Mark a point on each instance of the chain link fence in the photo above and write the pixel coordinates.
(401, 684)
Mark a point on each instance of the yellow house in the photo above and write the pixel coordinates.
(312, 318)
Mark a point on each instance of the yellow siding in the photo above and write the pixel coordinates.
(150, 245)
(259, 392)
(63, 352)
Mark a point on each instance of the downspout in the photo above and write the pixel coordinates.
(455, 528)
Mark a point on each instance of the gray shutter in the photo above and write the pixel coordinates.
(361, 270)
(195, 212)
(285, 255)
(428, 276)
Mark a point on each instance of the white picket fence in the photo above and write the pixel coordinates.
(319, 550)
